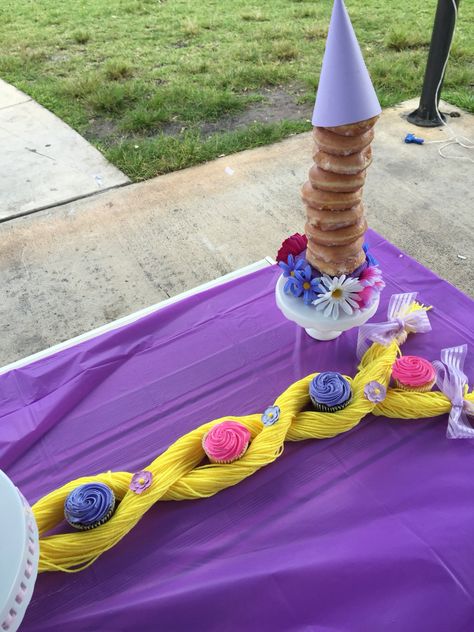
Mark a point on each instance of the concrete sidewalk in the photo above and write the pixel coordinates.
(66, 270)
(43, 162)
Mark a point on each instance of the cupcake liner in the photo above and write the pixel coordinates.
(323, 408)
(424, 388)
(203, 443)
(94, 525)
(229, 460)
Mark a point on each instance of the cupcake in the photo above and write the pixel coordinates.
(89, 505)
(226, 442)
(412, 373)
(330, 391)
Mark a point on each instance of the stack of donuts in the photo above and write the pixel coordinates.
(336, 223)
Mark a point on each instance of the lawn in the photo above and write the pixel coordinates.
(161, 85)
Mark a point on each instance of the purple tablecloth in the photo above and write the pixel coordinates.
(372, 530)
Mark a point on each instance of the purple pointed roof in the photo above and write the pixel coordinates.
(345, 92)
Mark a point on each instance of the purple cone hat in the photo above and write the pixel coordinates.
(345, 92)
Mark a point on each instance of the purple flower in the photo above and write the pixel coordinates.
(141, 481)
(375, 392)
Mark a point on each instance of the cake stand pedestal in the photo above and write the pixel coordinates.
(315, 324)
(19, 552)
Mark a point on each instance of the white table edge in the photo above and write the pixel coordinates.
(130, 318)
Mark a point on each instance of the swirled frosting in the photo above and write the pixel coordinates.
(88, 504)
(413, 371)
(329, 388)
(226, 442)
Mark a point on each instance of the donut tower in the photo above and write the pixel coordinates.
(344, 116)
(336, 223)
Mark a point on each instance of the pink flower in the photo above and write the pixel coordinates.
(294, 245)
(365, 297)
(371, 276)
(379, 285)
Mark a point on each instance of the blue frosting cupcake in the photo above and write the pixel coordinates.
(330, 391)
(89, 505)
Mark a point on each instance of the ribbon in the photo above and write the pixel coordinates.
(398, 322)
(451, 380)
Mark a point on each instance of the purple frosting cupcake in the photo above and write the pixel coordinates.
(89, 505)
(330, 391)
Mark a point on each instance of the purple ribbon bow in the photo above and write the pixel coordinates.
(398, 321)
(451, 380)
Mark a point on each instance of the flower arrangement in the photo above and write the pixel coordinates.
(334, 296)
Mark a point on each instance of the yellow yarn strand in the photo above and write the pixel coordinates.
(400, 404)
(178, 475)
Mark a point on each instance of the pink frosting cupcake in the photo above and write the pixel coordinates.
(226, 442)
(412, 373)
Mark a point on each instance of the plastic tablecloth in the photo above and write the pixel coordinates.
(371, 530)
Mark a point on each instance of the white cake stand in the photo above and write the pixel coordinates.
(19, 552)
(315, 324)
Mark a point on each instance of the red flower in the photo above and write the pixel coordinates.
(294, 245)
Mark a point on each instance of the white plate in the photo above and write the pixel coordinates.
(19, 552)
(315, 323)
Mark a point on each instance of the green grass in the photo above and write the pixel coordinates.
(163, 153)
(81, 37)
(141, 79)
(399, 39)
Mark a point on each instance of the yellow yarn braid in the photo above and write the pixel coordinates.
(400, 404)
(178, 475)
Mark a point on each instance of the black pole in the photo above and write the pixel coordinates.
(425, 115)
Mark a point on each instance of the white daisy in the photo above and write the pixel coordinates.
(341, 293)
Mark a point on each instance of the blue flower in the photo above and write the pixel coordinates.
(299, 281)
(271, 415)
(290, 268)
(371, 260)
(293, 286)
(310, 288)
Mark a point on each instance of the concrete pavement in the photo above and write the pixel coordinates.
(43, 162)
(66, 270)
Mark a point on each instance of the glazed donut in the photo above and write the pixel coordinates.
(332, 220)
(354, 129)
(335, 254)
(338, 145)
(336, 260)
(350, 165)
(339, 237)
(329, 199)
(328, 181)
